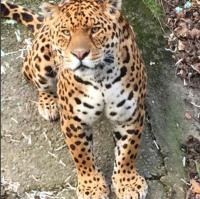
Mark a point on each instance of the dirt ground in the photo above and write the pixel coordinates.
(35, 161)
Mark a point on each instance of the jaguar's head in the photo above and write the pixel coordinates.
(85, 32)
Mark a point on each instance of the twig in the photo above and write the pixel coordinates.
(160, 23)
(154, 141)
(34, 102)
(45, 135)
(184, 181)
(184, 161)
(34, 178)
(173, 51)
(61, 192)
(13, 119)
(13, 140)
(28, 138)
(60, 148)
(194, 104)
(70, 186)
(62, 163)
(178, 62)
(53, 155)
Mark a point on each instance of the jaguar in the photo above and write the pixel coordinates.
(85, 63)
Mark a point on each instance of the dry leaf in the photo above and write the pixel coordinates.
(181, 45)
(195, 186)
(196, 67)
(188, 115)
(198, 2)
(181, 31)
(194, 33)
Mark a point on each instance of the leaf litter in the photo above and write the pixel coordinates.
(183, 41)
(192, 161)
(183, 20)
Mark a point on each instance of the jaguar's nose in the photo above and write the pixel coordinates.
(80, 53)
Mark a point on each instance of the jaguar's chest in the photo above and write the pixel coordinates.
(120, 103)
(109, 97)
(116, 103)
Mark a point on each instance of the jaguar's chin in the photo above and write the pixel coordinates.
(96, 73)
(83, 67)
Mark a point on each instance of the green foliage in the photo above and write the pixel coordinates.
(154, 7)
(198, 168)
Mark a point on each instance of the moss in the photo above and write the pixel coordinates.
(174, 115)
(198, 168)
(154, 7)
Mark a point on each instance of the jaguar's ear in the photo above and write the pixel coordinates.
(63, 2)
(115, 4)
(49, 9)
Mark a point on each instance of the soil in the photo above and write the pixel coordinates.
(183, 19)
(35, 161)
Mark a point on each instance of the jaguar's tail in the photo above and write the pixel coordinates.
(22, 15)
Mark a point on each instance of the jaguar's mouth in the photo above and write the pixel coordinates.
(84, 67)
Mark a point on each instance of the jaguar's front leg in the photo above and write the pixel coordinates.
(75, 124)
(127, 183)
(41, 72)
(91, 182)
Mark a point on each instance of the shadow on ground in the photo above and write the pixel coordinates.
(35, 161)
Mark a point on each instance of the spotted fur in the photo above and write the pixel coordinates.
(84, 63)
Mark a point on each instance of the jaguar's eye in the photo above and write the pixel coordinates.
(66, 32)
(95, 29)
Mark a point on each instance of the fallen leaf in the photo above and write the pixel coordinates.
(194, 33)
(181, 45)
(195, 186)
(196, 67)
(181, 32)
(198, 2)
(188, 115)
